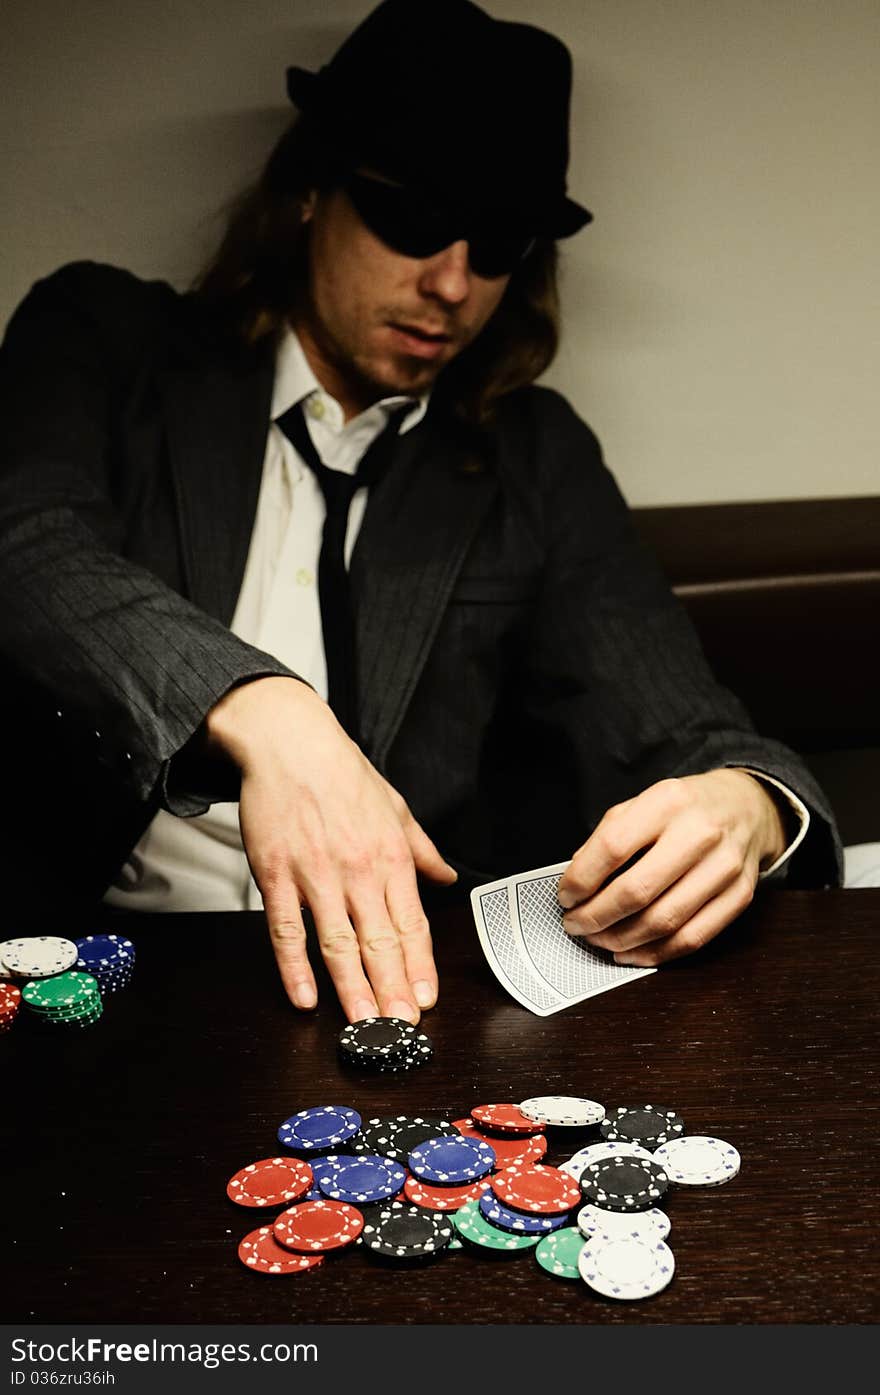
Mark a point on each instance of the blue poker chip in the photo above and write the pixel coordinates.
(449, 1161)
(319, 1129)
(358, 1179)
(518, 1222)
(108, 958)
(104, 951)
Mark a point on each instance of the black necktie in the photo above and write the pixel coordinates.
(334, 590)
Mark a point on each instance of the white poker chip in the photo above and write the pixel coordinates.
(652, 1224)
(598, 1152)
(563, 1111)
(626, 1267)
(39, 956)
(698, 1161)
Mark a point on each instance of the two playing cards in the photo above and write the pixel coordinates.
(519, 922)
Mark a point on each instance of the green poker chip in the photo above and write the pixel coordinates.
(473, 1227)
(64, 991)
(559, 1252)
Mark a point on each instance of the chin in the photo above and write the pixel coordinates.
(405, 379)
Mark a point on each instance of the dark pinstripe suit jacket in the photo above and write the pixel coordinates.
(522, 664)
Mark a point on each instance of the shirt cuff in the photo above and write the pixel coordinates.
(799, 810)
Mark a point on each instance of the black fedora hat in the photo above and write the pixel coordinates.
(438, 94)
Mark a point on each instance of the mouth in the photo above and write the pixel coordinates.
(419, 340)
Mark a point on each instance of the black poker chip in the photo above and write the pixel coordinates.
(396, 1137)
(384, 1044)
(404, 1232)
(645, 1124)
(376, 1038)
(624, 1183)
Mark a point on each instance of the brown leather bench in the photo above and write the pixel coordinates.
(786, 598)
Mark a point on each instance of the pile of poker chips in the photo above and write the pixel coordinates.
(384, 1044)
(409, 1189)
(67, 1000)
(64, 981)
(108, 958)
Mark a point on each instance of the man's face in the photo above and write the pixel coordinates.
(378, 322)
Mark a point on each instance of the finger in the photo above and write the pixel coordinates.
(341, 951)
(621, 833)
(709, 921)
(407, 915)
(288, 935)
(425, 853)
(381, 952)
(678, 905)
(688, 843)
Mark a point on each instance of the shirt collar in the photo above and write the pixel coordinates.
(295, 381)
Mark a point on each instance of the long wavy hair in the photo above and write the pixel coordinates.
(256, 279)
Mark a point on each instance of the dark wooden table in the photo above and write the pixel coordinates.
(119, 1140)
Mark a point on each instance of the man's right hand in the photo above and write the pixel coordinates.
(322, 828)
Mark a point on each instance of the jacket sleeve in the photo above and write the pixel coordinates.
(119, 659)
(616, 663)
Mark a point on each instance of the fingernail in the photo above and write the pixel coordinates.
(304, 995)
(364, 1008)
(565, 900)
(570, 928)
(453, 871)
(424, 993)
(401, 1008)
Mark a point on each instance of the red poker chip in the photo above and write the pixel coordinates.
(270, 1182)
(506, 1118)
(509, 1152)
(443, 1198)
(261, 1252)
(315, 1226)
(541, 1190)
(10, 1001)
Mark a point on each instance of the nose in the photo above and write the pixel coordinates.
(447, 275)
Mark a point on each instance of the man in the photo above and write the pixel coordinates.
(509, 677)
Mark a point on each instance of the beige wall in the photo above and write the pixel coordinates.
(722, 313)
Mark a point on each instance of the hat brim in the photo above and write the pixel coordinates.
(301, 86)
(569, 218)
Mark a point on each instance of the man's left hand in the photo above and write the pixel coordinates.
(703, 840)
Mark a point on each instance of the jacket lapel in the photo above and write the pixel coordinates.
(217, 418)
(416, 532)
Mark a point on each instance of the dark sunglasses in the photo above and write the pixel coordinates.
(407, 221)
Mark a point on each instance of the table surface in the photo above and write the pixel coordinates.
(118, 1140)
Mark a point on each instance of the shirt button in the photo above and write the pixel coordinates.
(304, 577)
(316, 408)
